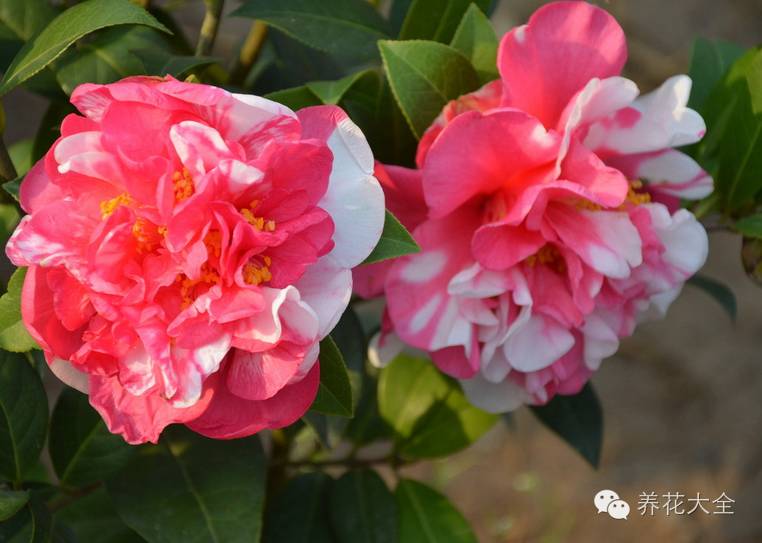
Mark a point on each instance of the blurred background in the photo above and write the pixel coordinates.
(682, 397)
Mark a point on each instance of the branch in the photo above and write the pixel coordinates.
(249, 52)
(209, 27)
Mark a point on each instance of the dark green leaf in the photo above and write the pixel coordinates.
(22, 19)
(362, 509)
(23, 416)
(50, 127)
(81, 447)
(710, 61)
(578, 420)
(395, 241)
(476, 39)
(158, 62)
(21, 155)
(334, 396)
(720, 292)
(9, 218)
(295, 98)
(426, 516)
(192, 489)
(436, 19)
(346, 29)
(109, 57)
(67, 28)
(93, 518)
(424, 76)
(427, 410)
(751, 226)
(12, 187)
(32, 524)
(331, 92)
(299, 513)
(13, 334)
(11, 501)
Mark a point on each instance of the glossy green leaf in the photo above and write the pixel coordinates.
(93, 518)
(721, 293)
(23, 416)
(21, 155)
(109, 57)
(68, 27)
(13, 334)
(346, 29)
(81, 447)
(710, 61)
(331, 92)
(11, 501)
(12, 187)
(299, 513)
(295, 98)
(427, 410)
(476, 39)
(193, 489)
(395, 241)
(362, 508)
(436, 19)
(424, 76)
(734, 142)
(334, 396)
(578, 420)
(426, 516)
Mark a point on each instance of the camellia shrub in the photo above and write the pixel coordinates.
(351, 246)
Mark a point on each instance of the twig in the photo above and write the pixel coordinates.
(209, 27)
(249, 51)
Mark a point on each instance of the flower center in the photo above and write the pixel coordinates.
(183, 183)
(260, 223)
(255, 273)
(109, 206)
(549, 256)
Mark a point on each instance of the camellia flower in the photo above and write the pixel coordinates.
(545, 204)
(188, 248)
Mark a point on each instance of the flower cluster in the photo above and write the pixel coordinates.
(188, 248)
(546, 205)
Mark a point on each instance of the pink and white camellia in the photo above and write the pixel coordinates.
(545, 204)
(188, 248)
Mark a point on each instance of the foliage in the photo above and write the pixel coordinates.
(393, 75)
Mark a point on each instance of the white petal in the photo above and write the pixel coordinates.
(494, 397)
(70, 375)
(381, 353)
(537, 344)
(326, 287)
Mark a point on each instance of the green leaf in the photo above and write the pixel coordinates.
(346, 29)
(750, 226)
(436, 19)
(334, 396)
(362, 509)
(158, 62)
(710, 61)
(734, 142)
(395, 241)
(22, 19)
(9, 218)
(67, 28)
(12, 187)
(50, 127)
(21, 155)
(295, 98)
(424, 76)
(331, 92)
(109, 57)
(720, 292)
(23, 416)
(578, 420)
(13, 334)
(11, 501)
(81, 447)
(299, 513)
(426, 516)
(93, 518)
(32, 524)
(427, 410)
(190, 488)
(476, 39)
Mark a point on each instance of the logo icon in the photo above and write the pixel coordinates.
(608, 501)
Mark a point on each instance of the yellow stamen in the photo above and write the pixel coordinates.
(213, 242)
(109, 206)
(260, 223)
(183, 183)
(549, 256)
(254, 274)
(209, 276)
